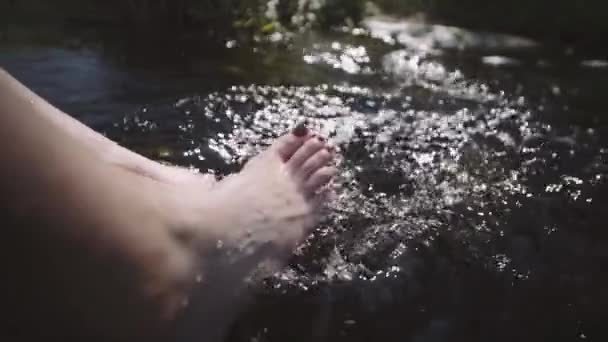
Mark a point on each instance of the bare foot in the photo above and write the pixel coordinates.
(249, 219)
(276, 199)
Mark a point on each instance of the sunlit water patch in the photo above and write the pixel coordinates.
(442, 182)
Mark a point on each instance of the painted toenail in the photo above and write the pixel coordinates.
(300, 130)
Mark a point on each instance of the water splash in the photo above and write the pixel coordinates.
(447, 182)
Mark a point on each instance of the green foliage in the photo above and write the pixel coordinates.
(252, 16)
(272, 15)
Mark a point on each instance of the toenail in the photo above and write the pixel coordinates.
(300, 130)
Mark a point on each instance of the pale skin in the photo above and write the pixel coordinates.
(118, 243)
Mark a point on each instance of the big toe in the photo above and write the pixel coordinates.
(287, 145)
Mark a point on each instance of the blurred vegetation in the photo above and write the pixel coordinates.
(568, 21)
(223, 17)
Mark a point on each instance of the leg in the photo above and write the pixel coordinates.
(110, 151)
(93, 235)
(115, 254)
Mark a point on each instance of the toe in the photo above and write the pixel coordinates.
(319, 179)
(288, 144)
(318, 160)
(305, 152)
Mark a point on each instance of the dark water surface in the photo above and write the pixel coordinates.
(473, 197)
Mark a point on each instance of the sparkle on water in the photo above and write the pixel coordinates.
(446, 183)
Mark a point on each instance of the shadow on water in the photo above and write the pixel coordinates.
(473, 172)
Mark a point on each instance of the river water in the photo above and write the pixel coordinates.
(472, 194)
